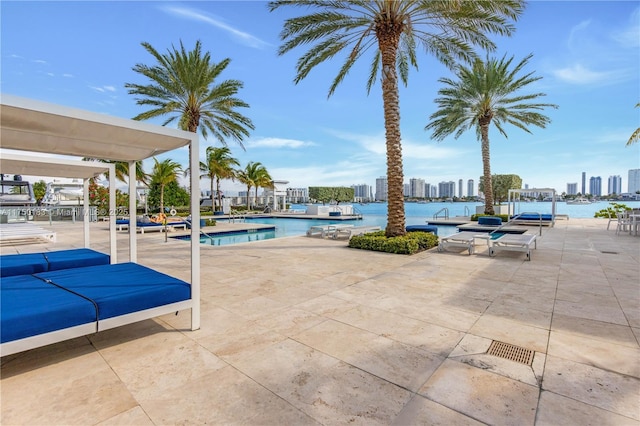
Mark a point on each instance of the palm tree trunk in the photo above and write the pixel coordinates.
(218, 192)
(388, 41)
(248, 196)
(161, 198)
(213, 203)
(486, 168)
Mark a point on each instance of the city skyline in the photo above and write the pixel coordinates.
(587, 53)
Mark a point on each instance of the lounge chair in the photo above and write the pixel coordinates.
(326, 230)
(25, 233)
(49, 307)
(354, 230)
(465, 240)
(513, 242)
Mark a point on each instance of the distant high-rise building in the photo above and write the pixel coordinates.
(572, 188)
(382, 193)
(460, 194)
(434, 191)
(447, 189)
(614, 185)
(362, 193)
(595, 186)
(416, 187)
(584, 183)
(470, 191)
(633, 184)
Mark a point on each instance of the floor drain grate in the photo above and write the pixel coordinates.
(511, 352)
(609, 252)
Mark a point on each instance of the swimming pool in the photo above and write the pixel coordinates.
(284, 227)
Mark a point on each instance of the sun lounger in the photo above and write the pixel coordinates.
(123, 224)
(465, 240)
(33, 263)
(49, 307)
(513, 242)
(354, 230)
(25, 233)
(326, 230)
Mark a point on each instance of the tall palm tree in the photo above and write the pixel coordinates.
(635, 136)
(184, 87)
(218, 165)
(253, 175)
(392, 30)
(163, 173)
(486, 93)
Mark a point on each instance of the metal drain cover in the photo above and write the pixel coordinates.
(511, 352)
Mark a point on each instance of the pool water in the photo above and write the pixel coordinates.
(288, 228)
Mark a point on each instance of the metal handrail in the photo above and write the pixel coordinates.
(446, 213)
(467, 212)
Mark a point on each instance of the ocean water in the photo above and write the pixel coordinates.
(418, 213)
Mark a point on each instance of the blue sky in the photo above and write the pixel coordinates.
(81, 54)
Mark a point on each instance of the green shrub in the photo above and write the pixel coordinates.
(504, 217)
(410, 243)
(612, 210)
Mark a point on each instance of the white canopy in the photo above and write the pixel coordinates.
(38, 127)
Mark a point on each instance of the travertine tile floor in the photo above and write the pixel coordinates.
(301, 330)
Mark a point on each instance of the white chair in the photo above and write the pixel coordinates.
(624, 222)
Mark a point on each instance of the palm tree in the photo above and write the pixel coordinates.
(218, 166)
(254, 174)
(486, 93)
(164, 172)
(393, 30)
(183, 86)
(635, 137)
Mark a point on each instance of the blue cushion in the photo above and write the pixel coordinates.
(23, 264)
(533, 217)
(121, 288)
(489, 220)
(30, 306)
(423, 228)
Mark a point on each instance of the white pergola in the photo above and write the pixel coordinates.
(37, 127)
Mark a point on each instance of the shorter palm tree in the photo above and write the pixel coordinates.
(219, 165)
(485, 93)
(254, 174)
(163, 173)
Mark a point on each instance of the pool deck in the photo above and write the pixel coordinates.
(300, 330)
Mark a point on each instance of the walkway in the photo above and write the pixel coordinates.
(303, 330)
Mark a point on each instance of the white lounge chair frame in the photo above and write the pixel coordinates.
(514, 242)
(25, 232)
(465, 240)
(355, 230)
(326, 230)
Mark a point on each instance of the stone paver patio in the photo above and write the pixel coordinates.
(303, 331)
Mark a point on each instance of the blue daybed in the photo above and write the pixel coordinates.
(48, 307)
(31, 263)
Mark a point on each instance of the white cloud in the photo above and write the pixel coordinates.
(245, 38)
(103, 89)
(68, 75)
(578, 74)
(278, 143)
(629, 37)
(39, 61)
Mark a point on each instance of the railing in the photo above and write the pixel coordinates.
(236, 215)
(444, 210)
(467, 212)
